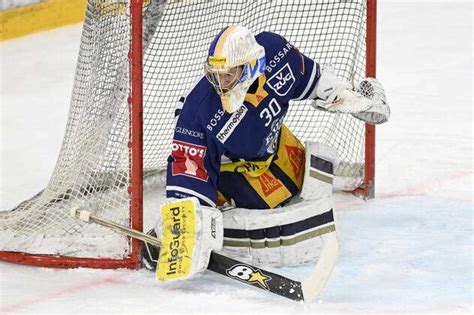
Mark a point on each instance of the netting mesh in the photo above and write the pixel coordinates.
(93, 167)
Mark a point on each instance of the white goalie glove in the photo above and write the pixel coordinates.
(367, 103)
(379, 113)
(189, 233)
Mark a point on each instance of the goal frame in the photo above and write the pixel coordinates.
(135, 189)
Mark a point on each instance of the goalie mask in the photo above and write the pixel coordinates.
(234, 62)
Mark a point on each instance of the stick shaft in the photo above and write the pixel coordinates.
(126, 231)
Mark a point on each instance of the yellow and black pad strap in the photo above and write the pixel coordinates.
(283, 235)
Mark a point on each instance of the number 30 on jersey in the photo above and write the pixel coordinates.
(270, 112)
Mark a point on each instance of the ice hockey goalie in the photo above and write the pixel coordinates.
(232, 150)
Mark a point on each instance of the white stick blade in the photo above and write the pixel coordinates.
(313, 285)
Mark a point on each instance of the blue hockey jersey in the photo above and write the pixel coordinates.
(205, 136)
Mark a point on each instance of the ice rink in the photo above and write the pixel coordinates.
(407, 251)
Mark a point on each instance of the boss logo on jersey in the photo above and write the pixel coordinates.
(272, 63)
(282, 81)
(187, 132)
(247, 274)
(232, 123)
(215, 119)
(188, 160)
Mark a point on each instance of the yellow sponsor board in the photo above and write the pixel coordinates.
(178, 240)
(50, 14)
(41, 16)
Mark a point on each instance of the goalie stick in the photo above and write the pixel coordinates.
(306, 290)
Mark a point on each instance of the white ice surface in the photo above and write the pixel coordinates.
(408, 251)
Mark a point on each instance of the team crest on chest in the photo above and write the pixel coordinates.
(282, 81)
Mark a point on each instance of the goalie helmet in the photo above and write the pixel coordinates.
(234, 62)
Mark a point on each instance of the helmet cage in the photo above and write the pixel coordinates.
(213, 75)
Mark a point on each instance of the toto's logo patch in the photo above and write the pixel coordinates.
(282, 81)
(188, 160)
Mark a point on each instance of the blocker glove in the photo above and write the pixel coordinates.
(189, 233)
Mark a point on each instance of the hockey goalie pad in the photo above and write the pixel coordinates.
(321, 163)
(292, 234)
(188, 232)
(285, 236)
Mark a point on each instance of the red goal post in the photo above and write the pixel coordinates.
(117, 178)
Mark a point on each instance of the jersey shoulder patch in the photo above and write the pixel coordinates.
(284, 63)
(282, 80)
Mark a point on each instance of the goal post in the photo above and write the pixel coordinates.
(367, 190)
(136, 126)
(136, 58)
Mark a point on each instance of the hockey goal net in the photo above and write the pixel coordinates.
(102, 157)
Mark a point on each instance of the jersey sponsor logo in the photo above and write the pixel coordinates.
(273, 62)
(282, 81)
(232, 123)
(217, 61)
(178, 226)
(188, 160)
(269, 184)
(188, 132)
(248, 274)
(215, 119)
(250, 167)
(295, 155)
